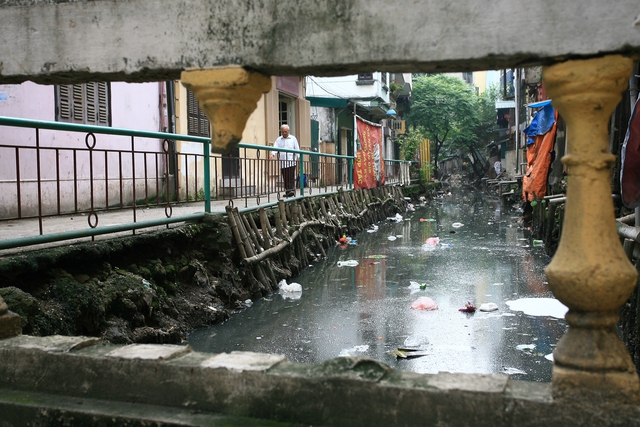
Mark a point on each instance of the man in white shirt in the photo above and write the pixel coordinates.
(288, 161)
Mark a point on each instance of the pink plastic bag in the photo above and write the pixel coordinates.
(432, 241)
(424, 303)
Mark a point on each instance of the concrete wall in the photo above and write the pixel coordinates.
(171, 383)
(143, 40)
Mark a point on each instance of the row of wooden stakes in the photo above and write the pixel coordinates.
(276, 244)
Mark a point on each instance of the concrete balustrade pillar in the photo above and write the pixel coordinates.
(9, 322)
(590, 273)
(227, 96)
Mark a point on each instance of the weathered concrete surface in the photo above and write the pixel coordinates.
(146, 40)
(340, 392)
(39, 409)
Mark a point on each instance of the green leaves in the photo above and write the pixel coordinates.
(450, 113)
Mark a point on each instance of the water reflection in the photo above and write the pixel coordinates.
(364, 310)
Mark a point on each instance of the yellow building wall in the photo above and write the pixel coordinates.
(261, 129)
(480, 80)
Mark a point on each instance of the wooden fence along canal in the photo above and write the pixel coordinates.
(282, 241)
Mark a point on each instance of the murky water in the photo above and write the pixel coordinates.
(482, 256)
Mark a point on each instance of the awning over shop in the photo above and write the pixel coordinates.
(327, 102)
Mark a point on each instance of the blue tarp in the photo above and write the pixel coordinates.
(541, 123)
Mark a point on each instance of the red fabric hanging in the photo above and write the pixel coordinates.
(534, 181)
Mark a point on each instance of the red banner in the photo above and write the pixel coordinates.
(368, 168)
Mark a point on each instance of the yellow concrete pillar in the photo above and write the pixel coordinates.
(227, 96)
(590, 272)
(9, 322)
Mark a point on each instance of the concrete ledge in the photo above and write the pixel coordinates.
(341, 392)
(51, 41)
(20, 408)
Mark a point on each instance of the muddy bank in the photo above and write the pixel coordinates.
(157, 287)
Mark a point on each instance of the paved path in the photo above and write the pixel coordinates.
(26, 228)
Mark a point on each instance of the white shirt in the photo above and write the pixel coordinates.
(287, 159)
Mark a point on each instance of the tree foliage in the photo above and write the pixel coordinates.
(451, 114)
(410, 142)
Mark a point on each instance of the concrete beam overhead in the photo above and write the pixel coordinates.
(49, 41)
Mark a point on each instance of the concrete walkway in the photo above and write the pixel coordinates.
(29, 228)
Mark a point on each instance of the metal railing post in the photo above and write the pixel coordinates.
(301, 174)
(350, 173)
(207, 175)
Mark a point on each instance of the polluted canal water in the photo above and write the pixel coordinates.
(455, 250)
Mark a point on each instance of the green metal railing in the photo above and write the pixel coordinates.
(90, 140)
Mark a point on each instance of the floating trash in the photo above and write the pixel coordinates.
(349, 263)
(424, 303)
(549, 356)
(457, 225)
(291, 287)
(355, 349)
(396, 218)
(377, 256)
(488, 306)
(427, 220)
(513, 371)
(392, 238)
(408, 353)
(539, 307)
(468, 308)
(416, 287)
(523, 347)
(373, 229)
(432, 241)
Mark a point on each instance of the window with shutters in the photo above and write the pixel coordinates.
(86, 103)
(198, 123)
